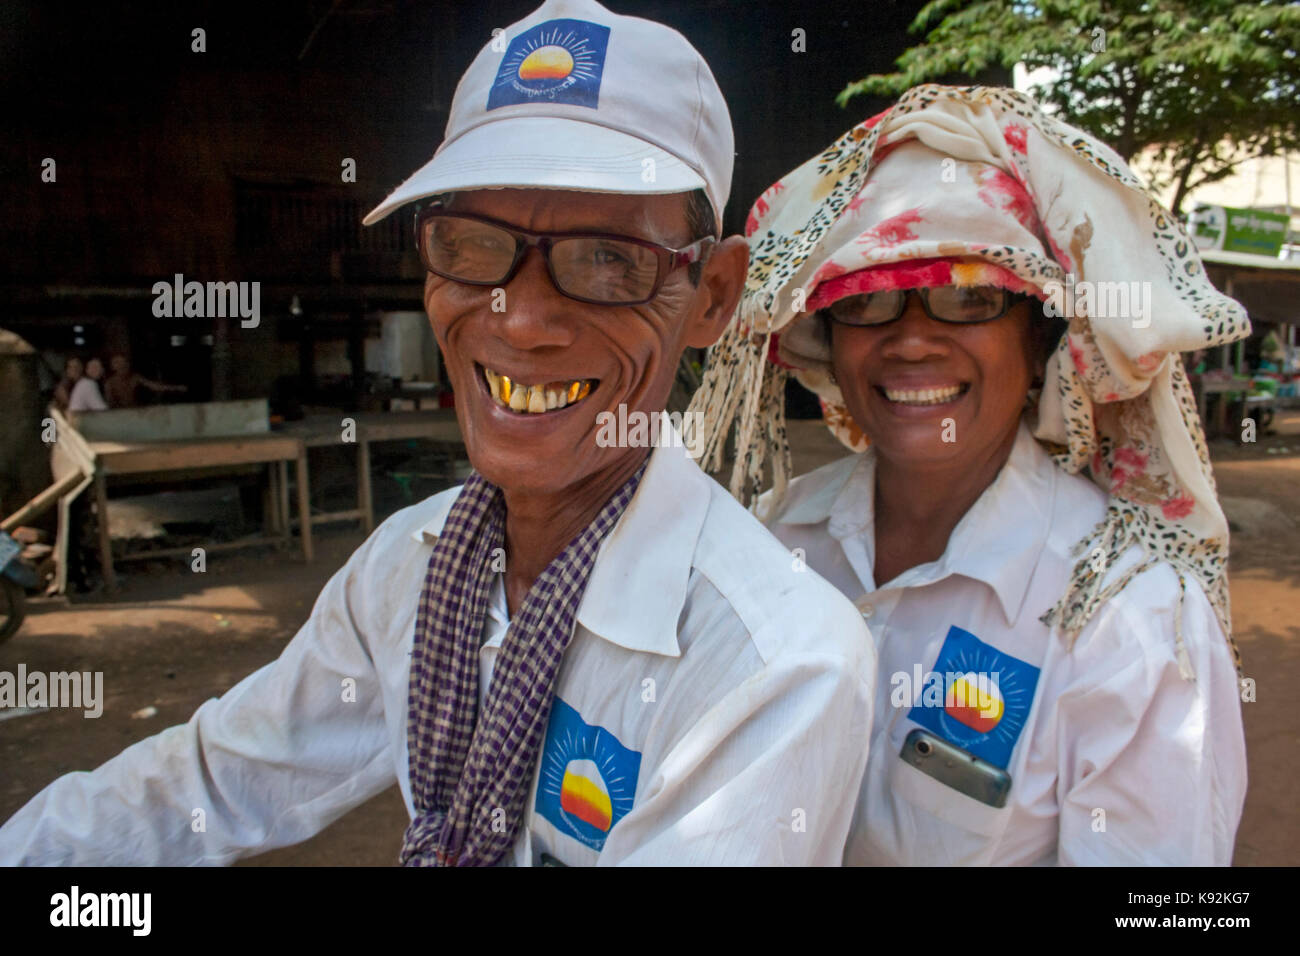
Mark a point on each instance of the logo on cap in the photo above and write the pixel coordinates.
(559, 61)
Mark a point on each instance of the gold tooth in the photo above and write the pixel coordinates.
(526, 397)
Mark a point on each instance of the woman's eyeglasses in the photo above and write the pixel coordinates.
(600, 268)
(959, 305)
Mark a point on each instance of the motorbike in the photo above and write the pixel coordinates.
(16, 577)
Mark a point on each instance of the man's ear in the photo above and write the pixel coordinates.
(429, 281)
(721, 283)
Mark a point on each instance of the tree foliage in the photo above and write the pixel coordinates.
(1204, 84)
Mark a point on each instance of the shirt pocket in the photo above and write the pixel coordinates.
(925, 795)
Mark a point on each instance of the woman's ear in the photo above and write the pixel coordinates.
(721, 282)
(1046, 331)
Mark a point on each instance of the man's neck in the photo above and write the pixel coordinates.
(539, 526)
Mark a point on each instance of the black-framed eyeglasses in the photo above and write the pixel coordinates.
(596, 267)
(958, 305)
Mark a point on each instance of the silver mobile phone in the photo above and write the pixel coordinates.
(956, 768)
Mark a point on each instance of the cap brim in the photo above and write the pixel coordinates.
(543, 152)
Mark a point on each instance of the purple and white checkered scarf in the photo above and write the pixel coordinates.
(470, 773)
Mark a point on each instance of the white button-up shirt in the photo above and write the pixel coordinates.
(86, 396)
(1114, 757)
(712, 708)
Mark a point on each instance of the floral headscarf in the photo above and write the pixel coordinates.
(974, 186)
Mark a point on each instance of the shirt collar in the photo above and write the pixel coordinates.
(816, 506)
(638, 587)
(998, 541)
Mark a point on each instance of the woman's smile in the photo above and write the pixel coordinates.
(927, 396)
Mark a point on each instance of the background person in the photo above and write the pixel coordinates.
(73, 369)
(86, 396)
(1076, 627)
(122, 387)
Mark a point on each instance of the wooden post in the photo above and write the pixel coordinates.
(364, 501)
(304, 505)
(270, 500)
(61, 544)
(105, 541)
(282, 491)
(46, 499)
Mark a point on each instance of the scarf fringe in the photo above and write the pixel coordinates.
(750, 465)
(716, 399)
(1088, 591)
(744, 394)
(772, 405)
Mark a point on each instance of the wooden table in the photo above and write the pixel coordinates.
(318, 431)
(1217, 385)
(278, 448)
(117, 458)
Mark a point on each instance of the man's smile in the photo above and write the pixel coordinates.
(535, 399)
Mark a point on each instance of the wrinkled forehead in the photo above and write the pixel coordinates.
(661, 216)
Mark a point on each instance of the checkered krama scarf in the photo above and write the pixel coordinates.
(470, 771)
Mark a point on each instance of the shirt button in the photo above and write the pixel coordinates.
(865, 606)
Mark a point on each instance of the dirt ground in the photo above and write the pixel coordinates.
(170, 639)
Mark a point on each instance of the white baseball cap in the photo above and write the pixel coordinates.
(576, 97)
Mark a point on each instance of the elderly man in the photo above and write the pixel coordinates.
(589, 653)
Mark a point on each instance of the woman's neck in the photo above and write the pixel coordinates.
(917, 507)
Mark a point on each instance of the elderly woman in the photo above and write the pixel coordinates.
(991, 308)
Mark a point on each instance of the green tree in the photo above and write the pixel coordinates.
(1205, 84)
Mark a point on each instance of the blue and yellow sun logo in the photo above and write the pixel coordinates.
(559, 61)
(588, 779)
(987, 698)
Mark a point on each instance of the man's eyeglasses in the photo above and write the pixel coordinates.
(959, 305)
(600, 268)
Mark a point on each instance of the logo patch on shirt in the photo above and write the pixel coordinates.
(986, 701)
(588, 779)
(559, 61)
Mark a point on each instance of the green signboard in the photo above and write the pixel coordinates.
(1239, 230)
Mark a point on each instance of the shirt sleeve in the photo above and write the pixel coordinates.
(768, 776)
(270, 763)
(1153, 766)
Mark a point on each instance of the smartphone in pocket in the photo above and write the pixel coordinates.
(956, 768)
